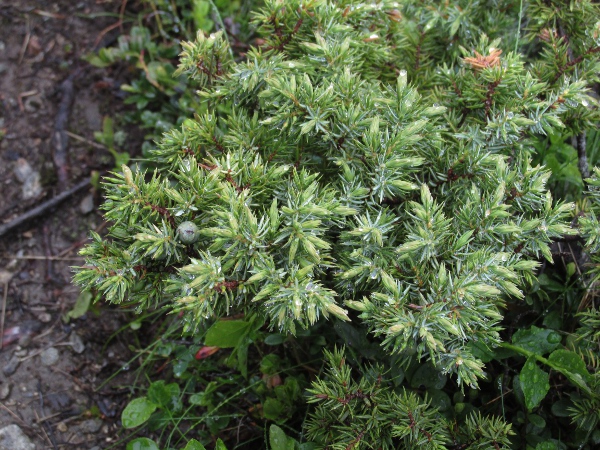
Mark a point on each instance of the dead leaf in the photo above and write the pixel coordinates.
(483, 62)
(206, 351)
(272, 380)
(34, 47)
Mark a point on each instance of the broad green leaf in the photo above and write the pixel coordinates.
(226, 333)
(480, 350)
(194, 445)
(142, 444)
(537, 421)
(550, 285)
(82, 304)
(427, 375)
(573, 367)
(274, 339)
(166, 396)
(355, 337)
(242, 357)
(292, 389)
(216, 425)
(534, 382)
(180, 367)
(278, 440)
(537, 340)
(220, 445)
(439, 399)
(97, 61)
(307, 446)
(200, 13)
(561, 407)
(553, 320)
(137, 412)
(569, 361)
(270, 364)
(205, 398)
(273, 409)
(120, 158)
(196, 399)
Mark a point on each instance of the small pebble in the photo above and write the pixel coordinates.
(50, 356)
(25, 340)
(4, 390)
(5, 276)
(22, 170)
(32, 186)
(45, 317)
(86, 205)
(11, 366)
(90, 426)
(62, 427)
(77, 343)
(21, 353)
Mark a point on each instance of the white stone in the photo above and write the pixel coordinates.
(13, 438)
(50, 356)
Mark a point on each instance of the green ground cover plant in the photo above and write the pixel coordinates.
(357, 240)
(150, 49)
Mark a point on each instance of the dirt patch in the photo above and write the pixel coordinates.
(52, 377)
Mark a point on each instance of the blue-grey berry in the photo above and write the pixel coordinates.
(187, 232)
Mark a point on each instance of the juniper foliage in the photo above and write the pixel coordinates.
(367, 162)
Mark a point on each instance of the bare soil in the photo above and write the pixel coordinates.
(56, 379)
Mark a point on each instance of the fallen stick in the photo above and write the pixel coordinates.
(44, 207)
(60, 139)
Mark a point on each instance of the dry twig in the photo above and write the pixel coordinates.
(25, 44)
(4, 295)
(60, 139)
(43, 208)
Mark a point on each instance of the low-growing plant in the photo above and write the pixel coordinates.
(149, 49)
(112, 139)
(369, 165)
